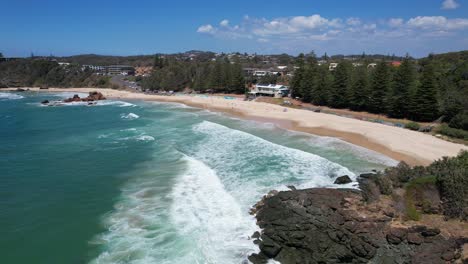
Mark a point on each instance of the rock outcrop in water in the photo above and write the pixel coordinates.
(93, 96)
(91, 99)
(337, 226)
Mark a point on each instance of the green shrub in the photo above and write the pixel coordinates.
(412, 126)
(399, 175)
(452, 181)
(413, 187)
(453, 132)
(385, 184)
(411, 212)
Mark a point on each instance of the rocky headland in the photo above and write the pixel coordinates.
(399, 221)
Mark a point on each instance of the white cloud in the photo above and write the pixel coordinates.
(438, 23)
(450, 4)
(315, 31)
(395, 22)
(353, 21)
(224, 23)
(207, 29)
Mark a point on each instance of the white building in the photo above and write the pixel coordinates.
(276, 90)
(371, 65)
(260, 73)
(333, 66)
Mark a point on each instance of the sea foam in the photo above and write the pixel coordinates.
(10, 96)
(129, 116)
(242, 158)
(204, 211)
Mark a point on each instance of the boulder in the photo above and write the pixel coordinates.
(396, 235)
(343, 180)
(429, 232)
(45, 102)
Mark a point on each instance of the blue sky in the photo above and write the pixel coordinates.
(147, 27)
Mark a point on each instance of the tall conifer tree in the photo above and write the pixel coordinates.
(379, 88)
(425, 107)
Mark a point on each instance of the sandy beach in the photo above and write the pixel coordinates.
(412, 147)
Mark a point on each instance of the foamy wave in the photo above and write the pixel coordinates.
(66, 95)
(205, 212)
(129, 116)
(259, 165)
(144, 138)
(195, 222)
(94, 103)
(358, 151)
(10, 96)
(117, 103)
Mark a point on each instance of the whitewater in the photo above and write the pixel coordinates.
(156, 182)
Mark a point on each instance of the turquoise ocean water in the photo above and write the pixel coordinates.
(146, 182)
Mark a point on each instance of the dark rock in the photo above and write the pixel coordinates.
(316, 226)
(448, 256)
(292, 188)
(20, 90)
(370, 190)
(389, 213)
(93, 96)
(256, 234)
(429, 232)
(366, 175)
(396, 235)
(415, 238)
(45, 102)
(269, 247)
(343, 180)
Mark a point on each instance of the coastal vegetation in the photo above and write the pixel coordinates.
(45, 73)
(419, 90)
(211, 76)
(447, 178)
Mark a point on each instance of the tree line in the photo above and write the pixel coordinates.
(420, 91)
(44, 73)
(213, 76)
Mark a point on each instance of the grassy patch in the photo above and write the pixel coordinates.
(453, 132)
(412, 126)
(412, 188)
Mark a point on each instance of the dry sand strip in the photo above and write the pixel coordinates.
(412, 147)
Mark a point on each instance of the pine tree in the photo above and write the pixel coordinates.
(321, 92)
(425, 106)
(341, 85)
(358, 96)
(379, 89)
(298, 77)
(309, 80)
(403, 85)
(237, 82)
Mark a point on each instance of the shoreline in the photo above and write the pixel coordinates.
(415, 148)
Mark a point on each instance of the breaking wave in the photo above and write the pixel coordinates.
(129, 116)
(10, 96)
